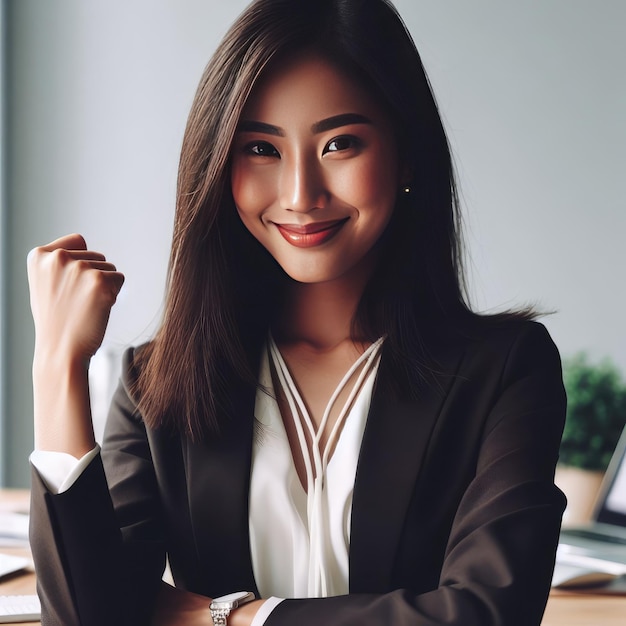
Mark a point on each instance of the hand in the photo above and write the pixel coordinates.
(175, 607)
(72, 290)
(182, 608)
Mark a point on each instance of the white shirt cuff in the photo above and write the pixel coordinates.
(264, 611)
(58, 470)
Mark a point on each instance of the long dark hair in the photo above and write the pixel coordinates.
(223, 287)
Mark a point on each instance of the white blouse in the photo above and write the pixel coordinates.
(300, 538)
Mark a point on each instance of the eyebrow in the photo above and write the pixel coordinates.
(336, 121)
(250, 126)
(345, 119)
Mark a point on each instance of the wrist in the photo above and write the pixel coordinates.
(244, 615)
(61, 404)
(58, 359)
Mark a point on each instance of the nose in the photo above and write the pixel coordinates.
(302, 186)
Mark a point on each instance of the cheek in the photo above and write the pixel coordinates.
(370, 184)
(252, 191)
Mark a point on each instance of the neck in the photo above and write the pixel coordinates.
(320, 314)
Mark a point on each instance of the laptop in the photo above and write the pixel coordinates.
(600, 546)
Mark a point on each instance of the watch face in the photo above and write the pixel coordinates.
(232, 600)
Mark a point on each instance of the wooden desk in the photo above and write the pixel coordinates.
(564, 608)
(584, 609)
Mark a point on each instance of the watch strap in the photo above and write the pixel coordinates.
(220, 616)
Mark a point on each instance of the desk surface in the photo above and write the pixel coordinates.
(564, 608)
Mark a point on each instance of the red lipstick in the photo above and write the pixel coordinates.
(310, 235)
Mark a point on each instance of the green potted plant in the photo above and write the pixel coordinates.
(596, 414)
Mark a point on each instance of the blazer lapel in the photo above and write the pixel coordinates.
(394, 444)
(218, 479)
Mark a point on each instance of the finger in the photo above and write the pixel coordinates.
(106, 285)
(73, 241)
(106, 275)
(85, 255)
(115, 280)
(97, 264)
(118, 278)
(62, 257)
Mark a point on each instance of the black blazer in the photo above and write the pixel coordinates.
(455, 516)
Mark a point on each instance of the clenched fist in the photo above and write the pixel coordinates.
(72, 290)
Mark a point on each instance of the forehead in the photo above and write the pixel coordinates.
(310, 87)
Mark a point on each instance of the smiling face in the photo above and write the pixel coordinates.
(315, 170)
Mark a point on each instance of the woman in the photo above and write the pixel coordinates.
(320, 416)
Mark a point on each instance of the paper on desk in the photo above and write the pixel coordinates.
(9, 564)
(579, 571)
(13, 529)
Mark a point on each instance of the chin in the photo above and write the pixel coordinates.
(318, 275)
(309, 278)
(307, 274)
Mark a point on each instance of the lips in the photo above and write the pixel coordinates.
(310, 235)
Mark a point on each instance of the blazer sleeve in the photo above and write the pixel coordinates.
(500, 554)
(98, 548)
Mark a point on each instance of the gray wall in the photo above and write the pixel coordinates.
(532, 94)
(3, 262)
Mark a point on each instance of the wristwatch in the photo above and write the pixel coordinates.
(222, 606)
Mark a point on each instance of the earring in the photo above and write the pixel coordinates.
(406, 189)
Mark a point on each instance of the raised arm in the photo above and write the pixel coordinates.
(72, 290)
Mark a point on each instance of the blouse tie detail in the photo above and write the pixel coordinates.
(301, 544)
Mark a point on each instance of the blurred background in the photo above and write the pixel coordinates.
(94, 102)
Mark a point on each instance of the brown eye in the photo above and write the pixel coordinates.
(262, 149)
(339, 144)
